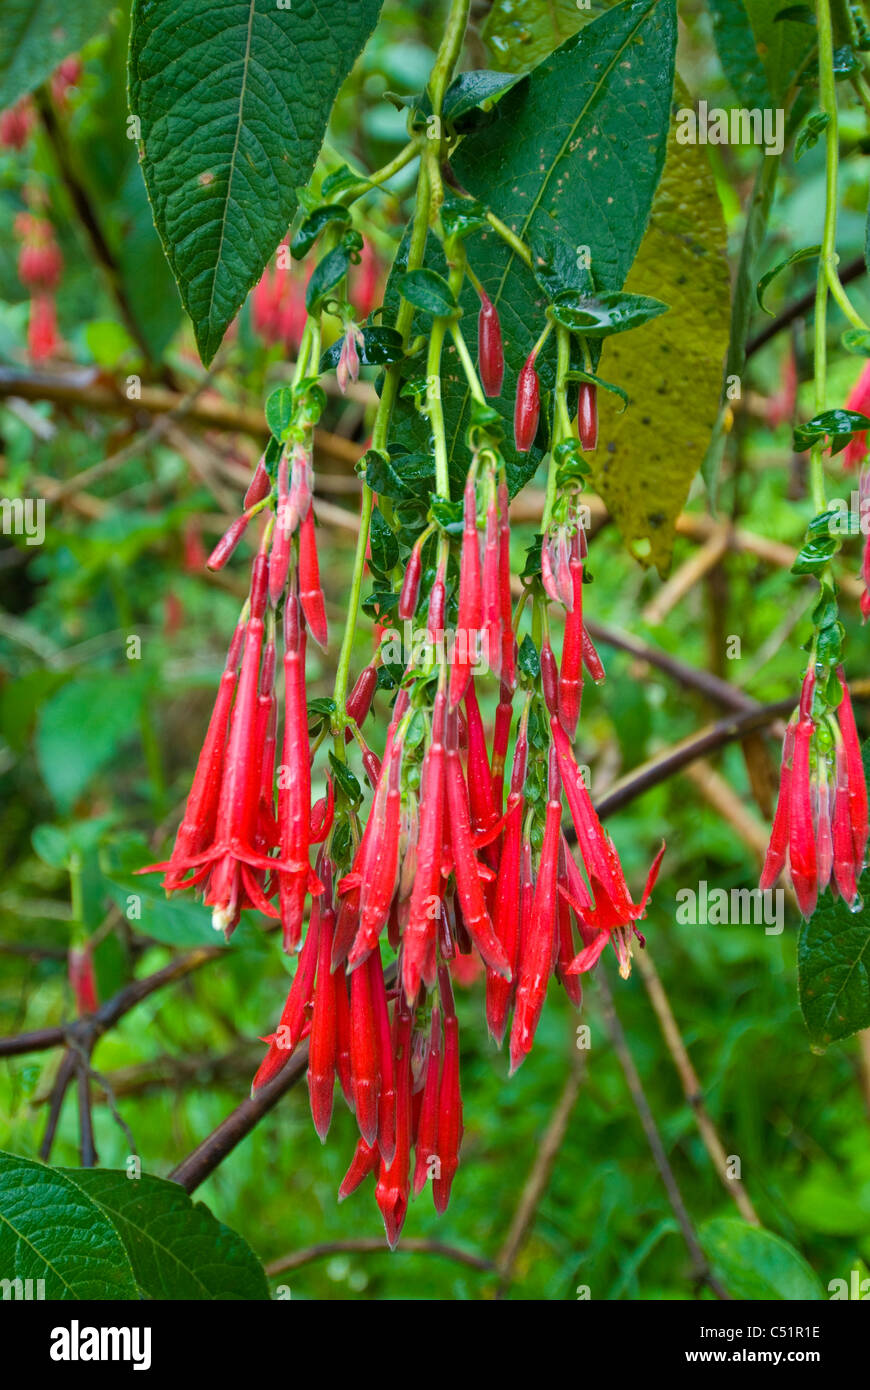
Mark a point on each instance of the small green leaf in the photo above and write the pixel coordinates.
(809, 133)
(806, 254)
(838, 425)
(600, 315)
(857, 340)
(279, 410)
(328, 273)
(755, 1264)
(384, 546)
(528, 658)
(309, 230)
(814, 555)
(428, 291)
(461, 216)
(345, 780)
(381, 347)
(834, 966)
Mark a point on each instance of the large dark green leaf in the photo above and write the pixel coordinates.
(575, 148)
(51, 1229)
(177, 1249)
(784, 44)
(756, 1264)
(519, 33)
(234, 101)
(735, 44)
(36, 34)
(834, 970)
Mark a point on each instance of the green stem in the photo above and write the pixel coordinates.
(448, 53)
(828, 94)
(468, 367)
(367, 182)
(510, 238)
(434, 408)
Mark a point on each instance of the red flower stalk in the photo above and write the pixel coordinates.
(539, 948)
(527, 409)
(587, 416)
(449, 1100)
(489, 347)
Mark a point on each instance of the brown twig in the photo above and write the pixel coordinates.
(87, 1149)
(692, 1089)
(65, 1074)
(539, 1177)
(702, 1273)
(368, 1245)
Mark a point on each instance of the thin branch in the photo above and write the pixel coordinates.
(87, 1149)
(692, 1089)
(700, 1267)
(65, 1073)
(539, 1177)
(719, 691)
(372, 1245)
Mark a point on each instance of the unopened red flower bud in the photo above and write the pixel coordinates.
(527, 409)
(227, 543)
(587, 416)
(489, 347)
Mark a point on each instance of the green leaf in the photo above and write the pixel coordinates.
(233, 104)
(384, 547)
(326, 275)
(808, 253)
(35, 35)
(345, 781)
(51, 1229)
(755, 1264)
(857, 340)
(815, 555)
(177, 1248)
(67, 761)
(834, 970)
(517, 39)
(601, 315)
(529, 661)
(602, 92)
(314, 224)
(809, 133)
(428, 291)
(471, 93)
(783, 45)
(648, 454)
(738, 54)
(279, 409)
(838, 425)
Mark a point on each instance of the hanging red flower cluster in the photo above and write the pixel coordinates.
(820, 829)
(449, 861)
(40, 267)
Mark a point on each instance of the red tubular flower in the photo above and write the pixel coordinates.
(83, 979)
(591, 659)
(507, 909)
(322, 1044)
(468, 886)
(279, 557)
(449, 1100)
(364, 1048)
(864, 510)
(393, 1189)
(342, 1035)
(508, 642)
(294, 793)
(801, 840)
(310, 592)
(500, 738)
(571, 669)
(470, 611)
(40, 262)
(615, 914)
(43, 338)
(300, 1002)
(378, 872)
(260, 485)
(587, 416)
(538, 953)
(386, 1070)
(777, 849)
(484, 816)
(227, 543)
(427, 1130)
(425, 904)
(565, 953)
(489, 347)
(490, 592)
(347, 370)
(365, 1160)
(527, 409)
(359, 701)
(411, 582)
(855, 775)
